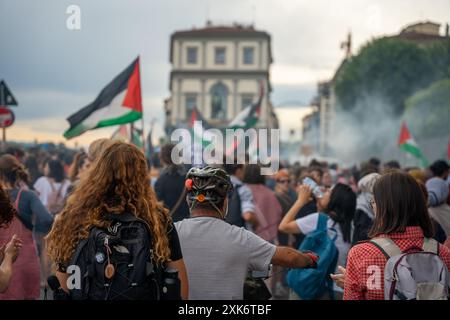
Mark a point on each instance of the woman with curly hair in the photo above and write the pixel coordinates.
(31, 214)
(9, 251)
(115, 184)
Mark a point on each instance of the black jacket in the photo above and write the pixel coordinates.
(169, 187)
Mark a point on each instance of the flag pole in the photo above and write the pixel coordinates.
(142, 116)
(130, 134)
(142, 132)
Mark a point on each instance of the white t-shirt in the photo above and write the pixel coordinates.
(308, 224)
(44, 188)
(218, 255)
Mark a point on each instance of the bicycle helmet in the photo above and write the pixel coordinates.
(208, 184)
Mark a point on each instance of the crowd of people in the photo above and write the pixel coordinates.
(128, 225)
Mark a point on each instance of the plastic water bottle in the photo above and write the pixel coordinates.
(171, 288)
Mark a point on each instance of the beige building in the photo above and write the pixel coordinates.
(218, 70)
(427, 27)
(423, 33)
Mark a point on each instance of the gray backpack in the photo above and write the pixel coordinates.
(415, 274)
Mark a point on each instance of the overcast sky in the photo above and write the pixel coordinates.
(53, 71)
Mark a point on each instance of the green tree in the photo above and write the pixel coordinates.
(439, 53)
(428, 110)
(389, 68)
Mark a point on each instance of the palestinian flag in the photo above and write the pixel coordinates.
(118, 103)
(197, 116)
(200, 138)
(248, 117)
(407, 143)
(136, 137)
(198, 131)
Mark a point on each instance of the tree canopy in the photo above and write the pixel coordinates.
(428, 110)
(393, 69)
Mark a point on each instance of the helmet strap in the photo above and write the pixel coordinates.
(221, 213)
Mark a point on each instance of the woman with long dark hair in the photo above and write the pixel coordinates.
(401, 215)
(32, 166)
(31, 214)
(52, 187)
(115, 184)
(339, 204)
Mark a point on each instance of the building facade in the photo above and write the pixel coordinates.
(218, 70)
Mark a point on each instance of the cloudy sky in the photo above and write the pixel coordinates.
(54, 71)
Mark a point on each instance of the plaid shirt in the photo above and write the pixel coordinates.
(365, 265)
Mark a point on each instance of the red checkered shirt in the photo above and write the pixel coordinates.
(365, 265)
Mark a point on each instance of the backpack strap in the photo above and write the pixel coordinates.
(430, 245)
(322, 224)
(24, 220)
(52, 186)
(178, 203)
(63, 183)
(78, 250)
(386, 246)
(16, 202)
(322, 221)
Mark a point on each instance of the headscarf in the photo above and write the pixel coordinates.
(365, 186)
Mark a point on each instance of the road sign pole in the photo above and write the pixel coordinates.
(7, 116)
(2, 96)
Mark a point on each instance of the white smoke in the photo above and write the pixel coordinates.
(370, 129)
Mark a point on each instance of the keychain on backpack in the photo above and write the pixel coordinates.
(109, 270)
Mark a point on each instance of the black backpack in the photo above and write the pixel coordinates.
(234, 215)
(126, 246)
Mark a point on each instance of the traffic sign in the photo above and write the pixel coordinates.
(6, 117)
(6, 97)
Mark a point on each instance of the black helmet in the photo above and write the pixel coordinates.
(208, 184)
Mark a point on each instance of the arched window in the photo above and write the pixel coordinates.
(219, 94)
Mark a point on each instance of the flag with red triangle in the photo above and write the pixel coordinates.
(249, 116)
(407, 143)
(118, 103)
(197, 116)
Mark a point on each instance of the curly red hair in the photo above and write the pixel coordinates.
(116, 183)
